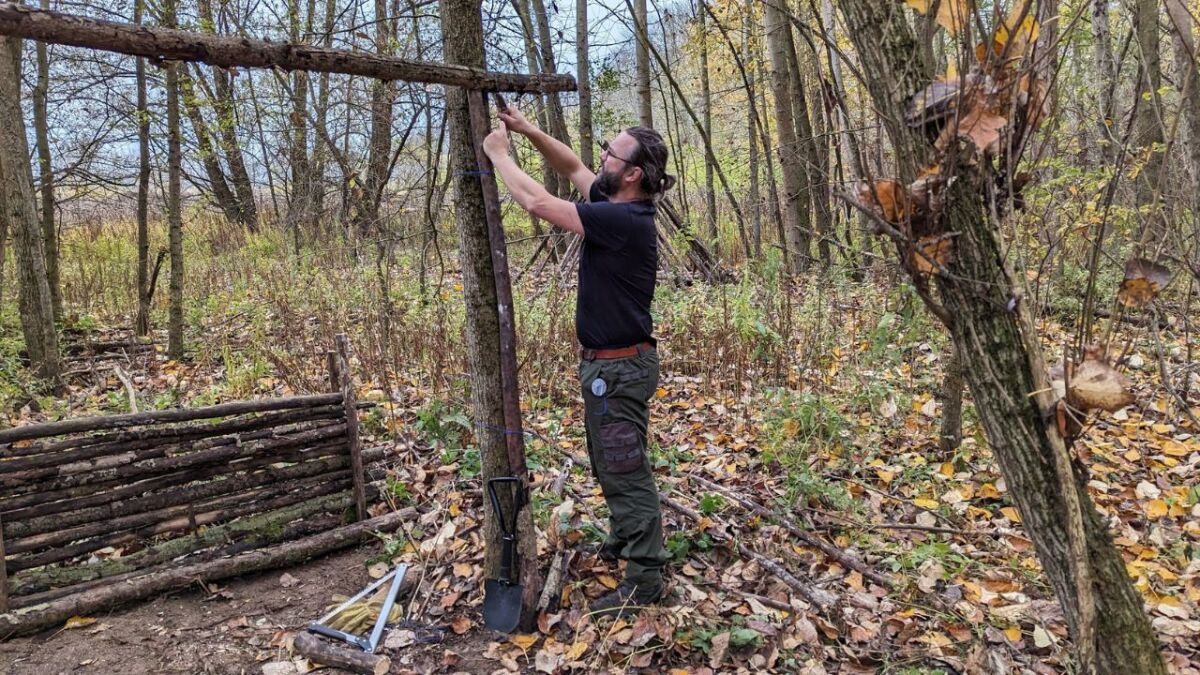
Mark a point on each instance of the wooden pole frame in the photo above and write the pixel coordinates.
(353, 442)
(167, 44)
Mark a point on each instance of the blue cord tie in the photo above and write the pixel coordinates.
(477, 172)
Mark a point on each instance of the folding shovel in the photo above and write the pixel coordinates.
(502, 596)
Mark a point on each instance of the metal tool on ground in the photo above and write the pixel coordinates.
(367, 643)
(502, 596)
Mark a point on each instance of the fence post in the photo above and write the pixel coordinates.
(352, 440)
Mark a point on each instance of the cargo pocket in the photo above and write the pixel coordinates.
(622, 447)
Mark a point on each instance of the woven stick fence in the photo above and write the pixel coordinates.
(103, 510)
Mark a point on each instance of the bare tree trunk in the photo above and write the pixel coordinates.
(645, 103)
(554, 109)
(482, 292)
(245, 211)
(950, 436)
(174, 207)
(818, 161)
(748, 61)
(320, 159)
(587, 137)
(380, 148)
(142, 323)
(1188, 76)
(17, 207)
(710, 194)
(805, 145)
(221, 193)
(299, 217)
(1106, 71)
(795, 252)
(550, 177)
(1148, 129)
(49, 227)
(1003, 364)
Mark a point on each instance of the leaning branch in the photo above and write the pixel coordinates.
(166, 44)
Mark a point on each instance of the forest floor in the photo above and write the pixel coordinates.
(832, 431)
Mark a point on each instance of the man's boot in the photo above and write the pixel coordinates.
(627, 599)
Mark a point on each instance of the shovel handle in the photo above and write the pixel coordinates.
(507, 527)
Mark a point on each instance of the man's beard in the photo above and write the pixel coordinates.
(608, 182)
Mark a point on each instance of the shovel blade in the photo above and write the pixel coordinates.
(501, 605)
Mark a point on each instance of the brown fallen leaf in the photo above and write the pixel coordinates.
(720, 644)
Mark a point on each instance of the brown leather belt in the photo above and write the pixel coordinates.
(619, 353)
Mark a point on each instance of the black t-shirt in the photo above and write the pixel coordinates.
(617, 271)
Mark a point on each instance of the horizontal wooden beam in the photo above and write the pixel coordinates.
(167, 44)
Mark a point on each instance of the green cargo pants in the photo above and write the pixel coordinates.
(618, 414)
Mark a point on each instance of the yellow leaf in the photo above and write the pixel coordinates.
(464, 570)
(661, 393)
(952, 14)
(1011, 513)
(455, 510)
(925, 503)
(577, 649)
(791, 427)
(1175, 449)
(524, 641)
(885, 476)
(1013, 633)
(988, 491)
(1132, 455)
(78, 622)
(946, 469)
(608, 581)
(1156, 509)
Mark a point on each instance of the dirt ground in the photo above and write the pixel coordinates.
(237, 628)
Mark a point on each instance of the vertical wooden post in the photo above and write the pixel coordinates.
(3, 573)
(335, 380)
(346, 381)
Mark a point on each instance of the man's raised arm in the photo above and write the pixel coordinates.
(561, 158)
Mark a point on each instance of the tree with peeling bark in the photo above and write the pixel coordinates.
(984, 311)
(19, 212)
(489, 304)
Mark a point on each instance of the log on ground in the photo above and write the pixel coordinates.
(38, 617)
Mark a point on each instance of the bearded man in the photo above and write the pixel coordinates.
(618, 367)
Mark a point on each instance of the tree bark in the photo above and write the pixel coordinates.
(642, 38)
(1188, 76)
(383, 93)
(1148, 125)
(163, 43)
(1106, 71)
(17, 208)
(223, 104)
(330, 654)
(748, 60)
(221, 193)
(798, 219)
(587, 138)
(1003, 365)
(46, 171)
(710, 194)
(299, 217)
(488, 297)
(142, 322)
(950, 435)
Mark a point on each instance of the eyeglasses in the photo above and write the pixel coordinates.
(607, 149)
